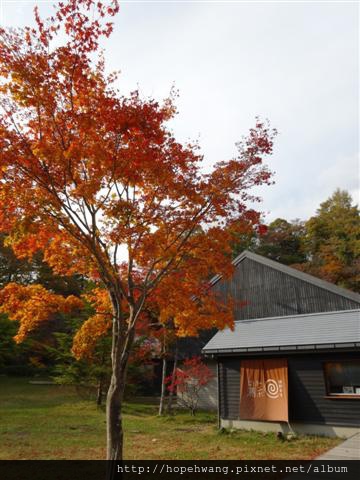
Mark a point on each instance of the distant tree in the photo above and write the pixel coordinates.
(332, 241)
(88, 374)
(247, 237)
(283, 242)
(168, 339)
(14, 358)
(190, 379)
(60, 284)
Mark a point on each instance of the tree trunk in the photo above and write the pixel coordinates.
(163, 388)
(114, 416)
(114, 429)
(99, 393)
(122, 342)
(173, 378)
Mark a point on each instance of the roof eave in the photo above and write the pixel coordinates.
(280, 348)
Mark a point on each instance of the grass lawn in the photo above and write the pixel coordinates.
(53, 422)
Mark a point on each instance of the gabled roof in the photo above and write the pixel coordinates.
(313, 331)
(293, 273)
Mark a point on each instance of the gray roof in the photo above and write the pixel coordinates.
(294, 273)
(295, 332)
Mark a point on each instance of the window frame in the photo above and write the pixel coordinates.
(334, 396)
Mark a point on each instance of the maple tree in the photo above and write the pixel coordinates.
(13, 269)
(30, 305)
(189, 380)
(98, 182)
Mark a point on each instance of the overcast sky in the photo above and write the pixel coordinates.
(295, 63)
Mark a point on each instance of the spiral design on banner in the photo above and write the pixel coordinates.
(272, 388)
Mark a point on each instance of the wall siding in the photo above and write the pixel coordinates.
(208, 398)
(270, 293)
(229, 394)
(306, 391)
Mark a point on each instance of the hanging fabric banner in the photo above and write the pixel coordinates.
(264, 390)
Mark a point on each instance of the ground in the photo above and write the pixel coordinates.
(54, 422)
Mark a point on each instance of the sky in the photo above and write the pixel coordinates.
(294, 63)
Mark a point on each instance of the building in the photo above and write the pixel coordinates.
(301, 329)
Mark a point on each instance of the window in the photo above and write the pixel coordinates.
(342, 378)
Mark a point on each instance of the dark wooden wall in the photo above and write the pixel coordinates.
(229, 388)
(270, 293)
(306, 391)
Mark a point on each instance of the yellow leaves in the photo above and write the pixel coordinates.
(72, 303)
(95, 326)
(86, 338)
(32, 304)
(100, 300)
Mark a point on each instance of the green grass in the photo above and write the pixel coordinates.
(53, 422)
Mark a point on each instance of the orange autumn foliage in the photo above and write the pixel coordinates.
(96, 326)
(33, 304)
(86, 172)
